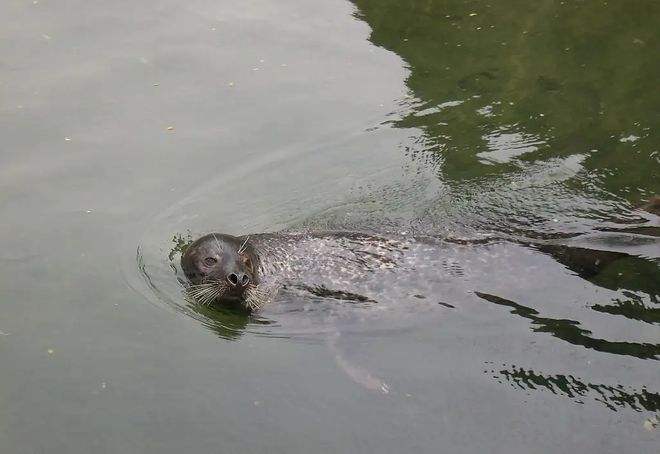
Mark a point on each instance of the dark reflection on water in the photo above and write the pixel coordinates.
(633, 308)
(228, 323)
(609, 269)
(570, 331)
(613, 397)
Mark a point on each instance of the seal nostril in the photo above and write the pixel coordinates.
(233, 279)
(245, 280)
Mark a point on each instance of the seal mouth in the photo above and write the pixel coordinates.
(252, 297)
(234, 297)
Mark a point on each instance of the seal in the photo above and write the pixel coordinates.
(364, 269)
(222, 268)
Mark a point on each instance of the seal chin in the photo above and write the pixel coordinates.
(235, 296)
(232, 298)
(239, 302)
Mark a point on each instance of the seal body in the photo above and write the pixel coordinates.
(368, 270)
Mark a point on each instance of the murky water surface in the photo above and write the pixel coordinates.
(497, 158)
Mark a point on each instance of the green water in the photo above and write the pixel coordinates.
(565, 77)
(129, 127)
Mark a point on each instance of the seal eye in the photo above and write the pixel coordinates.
(210, 261)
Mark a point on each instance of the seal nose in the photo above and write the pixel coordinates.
(238, 279)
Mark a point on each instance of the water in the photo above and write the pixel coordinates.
(128, 128)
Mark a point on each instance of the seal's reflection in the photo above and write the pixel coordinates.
(227, 322)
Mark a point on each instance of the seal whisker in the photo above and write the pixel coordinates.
(207, 300)
(201, 291)
(207, 292)
(200, 287)
(209, 297)
(217, 242)
(256, 296)
(205, 295)
(242, 248)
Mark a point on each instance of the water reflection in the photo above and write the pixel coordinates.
(571, 332)
(505, 145)
(613, 397)
(228, 323)
(634, 308)
(498, 82)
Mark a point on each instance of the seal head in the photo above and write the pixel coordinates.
(221, 268)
